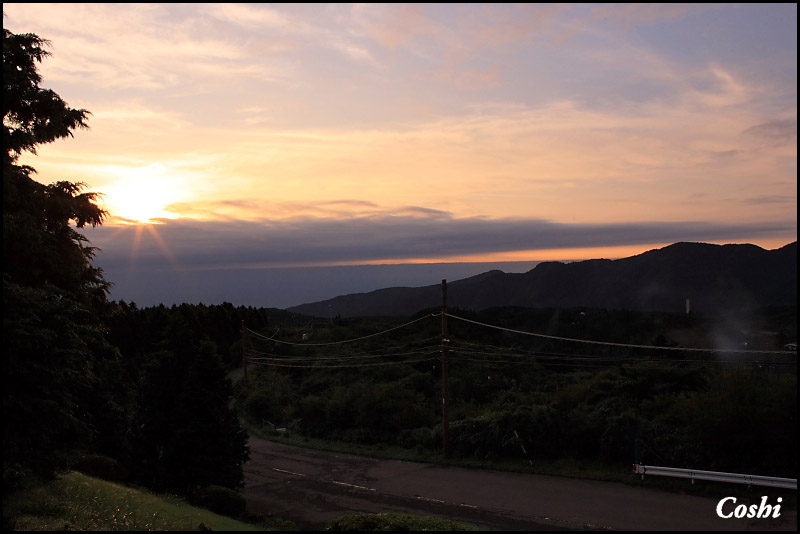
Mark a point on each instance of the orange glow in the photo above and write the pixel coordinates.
(141, 195)
(556, 254)
(566, 254)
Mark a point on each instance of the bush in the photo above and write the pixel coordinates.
(422, 437)
(221, 500)
(14, 476)
(259, 406)
(616, 442)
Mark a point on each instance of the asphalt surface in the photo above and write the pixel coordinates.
(310, 488)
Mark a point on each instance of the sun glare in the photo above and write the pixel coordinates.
(142, 195)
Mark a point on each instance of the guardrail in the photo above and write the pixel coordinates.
(716, 476)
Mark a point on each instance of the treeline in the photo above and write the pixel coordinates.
(151, 393)
(730, 411)
(135, 330)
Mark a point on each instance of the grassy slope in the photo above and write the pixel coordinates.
(79, 502)
(82, 503)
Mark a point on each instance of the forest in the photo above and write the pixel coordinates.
(379, 382)
(550, 394)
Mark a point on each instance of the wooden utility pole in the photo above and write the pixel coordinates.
(244, 352)
(445, 407)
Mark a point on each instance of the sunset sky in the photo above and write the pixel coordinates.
(239, 145)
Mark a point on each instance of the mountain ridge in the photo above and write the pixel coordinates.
(713, 278)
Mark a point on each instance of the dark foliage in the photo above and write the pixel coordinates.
(221, 500)
(99, 466)
(583, 402)
(183, 431)
(162, 409)
(53, 296)
(50, 343)
(550, 398)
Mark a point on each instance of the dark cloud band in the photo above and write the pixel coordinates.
(190, 244)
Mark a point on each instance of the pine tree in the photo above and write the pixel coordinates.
(185, 434)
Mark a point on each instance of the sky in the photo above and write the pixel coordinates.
(276, 154)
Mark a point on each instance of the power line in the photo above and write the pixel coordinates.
(364, 352)
(284, 357)
(611, 360)
(404, 362)
(611, 344)
(347, 340)
(504, 353)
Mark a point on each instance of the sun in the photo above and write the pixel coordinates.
(143, 195)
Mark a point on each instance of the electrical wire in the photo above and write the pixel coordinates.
(346, 340)
(404, 362)
(278, 357)
(611, 344)
(465, 351)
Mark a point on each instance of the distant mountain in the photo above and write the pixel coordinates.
(713, 277)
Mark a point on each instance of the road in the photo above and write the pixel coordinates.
(310, 487)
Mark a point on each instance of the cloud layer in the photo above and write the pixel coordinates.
(432, 236)
(290, 262)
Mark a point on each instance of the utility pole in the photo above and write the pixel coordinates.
(445, 407)
(244, 352)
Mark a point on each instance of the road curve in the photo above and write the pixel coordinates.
(310, 487)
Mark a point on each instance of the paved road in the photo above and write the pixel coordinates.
(312, 487)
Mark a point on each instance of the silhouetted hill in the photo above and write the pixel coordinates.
(713, 277)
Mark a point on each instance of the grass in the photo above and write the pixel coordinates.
(75, 501)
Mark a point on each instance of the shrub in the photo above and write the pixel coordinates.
(259, 406)
(14, 476)
(221, 500)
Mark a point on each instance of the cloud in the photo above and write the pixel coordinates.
(126, 47)
(134, 118)
(490, 25)
(413, 234)
(281, 263)
(780, 200)
(260, 16)
(398, 24)
(296, 28)
(563, 161)
(642, 14)
(721, 89)
(778, 129)
(605, 127)
(265, 211)
(473, 79)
